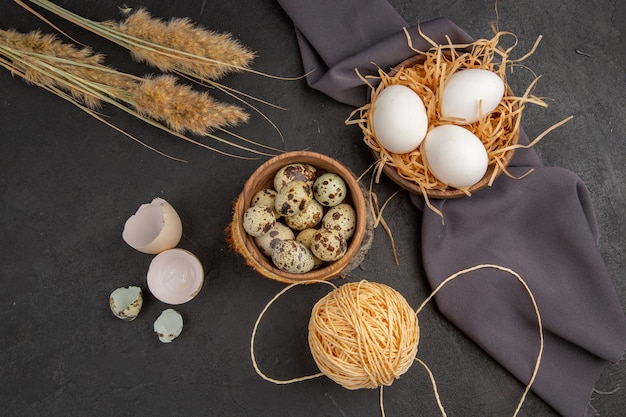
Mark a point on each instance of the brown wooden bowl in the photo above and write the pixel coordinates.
(262, 178)
(449, 192)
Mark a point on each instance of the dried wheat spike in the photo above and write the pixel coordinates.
(181, 107)
(39, 52)
(219, 53)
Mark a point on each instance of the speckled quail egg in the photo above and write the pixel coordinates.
(307, 218)
(258, 220)
(306, 238)
(126, 302)
(291, 256)
(329, 245)
(341, 218)
(293, 198)
(294, 172)
(267, 241)
(330, 189)
(265, 197)
(169, 325)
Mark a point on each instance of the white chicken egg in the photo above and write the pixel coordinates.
(175, 276)
(470, 93)
(154, 228)
(399, 119)
(455, 156)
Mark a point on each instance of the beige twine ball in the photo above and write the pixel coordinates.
(363, 335)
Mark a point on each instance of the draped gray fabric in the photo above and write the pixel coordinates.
(542, 226)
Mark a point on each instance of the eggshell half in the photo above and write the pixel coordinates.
(155, 227)
(455, 156)
(175, 276)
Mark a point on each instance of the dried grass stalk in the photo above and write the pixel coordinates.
(177, 45)
(41, 59)
(79, 75)
(171, 45)
(182, 108)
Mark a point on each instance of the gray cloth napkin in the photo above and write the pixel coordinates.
(542, 226)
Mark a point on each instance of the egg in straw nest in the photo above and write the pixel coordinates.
(428, 75)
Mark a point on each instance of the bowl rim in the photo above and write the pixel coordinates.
(245, 243)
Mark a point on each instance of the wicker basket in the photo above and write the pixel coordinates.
(262, 178)
(449, 192)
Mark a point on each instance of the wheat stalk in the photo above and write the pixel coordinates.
(176, 46)
(79, 76)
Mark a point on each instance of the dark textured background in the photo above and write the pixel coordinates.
(68, 183)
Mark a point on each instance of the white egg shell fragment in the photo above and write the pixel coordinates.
(126, 302)
(293, 198)
(169, 325)
(341, 218)
(258, 220)
(265, 197)
(307, 218)
(175, 276)
(329, 245)
(399, 119)
(267, 241)
(455, 156)
(293, 172)
(470, 93)
(291, 256)
(330, 189)
(154, 228)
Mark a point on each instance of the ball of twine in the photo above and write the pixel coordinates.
(363, 335)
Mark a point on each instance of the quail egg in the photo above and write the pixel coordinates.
(126, 302)
(329, 245)
(307, 218)
(258, 220)
(267, 241)
(341, 218)
(294, 172)
(265, 197)
(291, 256)
(330, 189)
(306, 238)
(293, 198)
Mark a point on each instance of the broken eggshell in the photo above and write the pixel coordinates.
(126, 302)
(155, 227)
(175, 276)
(168, 325)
